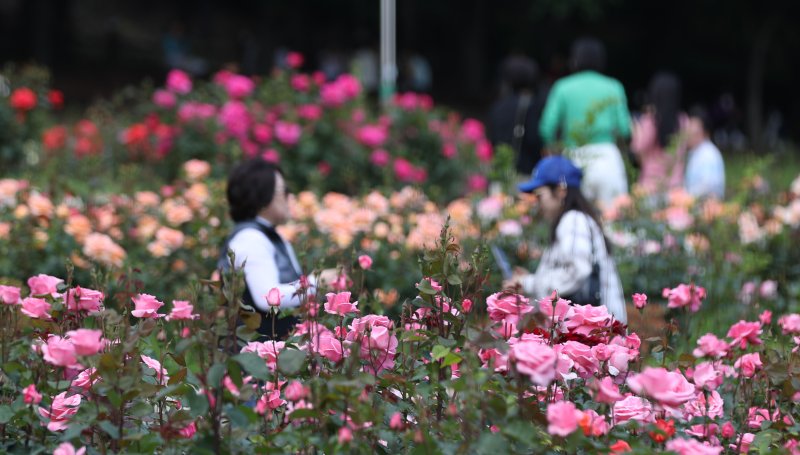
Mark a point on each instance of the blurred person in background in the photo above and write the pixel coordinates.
(587, 113)
(655, 131)
(514, 118)
(705, 168)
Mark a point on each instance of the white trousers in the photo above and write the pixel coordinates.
(604, 175)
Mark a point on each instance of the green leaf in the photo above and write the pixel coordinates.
(491, 444)
(290, 361)
(439, 352)
(140, 409)
(454, 280)
(426, 288)
(303, 414)
(451, 359)
(6, 414)
(215, 374)
(242, 416)
(178, 377)
(198, 403)
(253, 364)
(109, 428)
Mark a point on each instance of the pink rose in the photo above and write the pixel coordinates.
(683, 446)
(748, 364)
(503, 306)
(365, 262)
(179, 82)
(274, 297)
(765, 318)
(287, 133)
(592, 423)
(639, 300)
(262, 133)
(146, 306)
(403, 170)
(477, 183)
(466, 305)
(270, 401)
(685, 295)
(294, 59)
(164, 99)
(790, 323)
(86, 341)
(267, 350)
(188, 431)
(768, 289)
(309, 112)
(236, 119)
(584, 319)
(182, 309)
(161, 373)
(66, 448)
(82, 299)
(706, 376)
(535, 360)
(607, 391)
(378, 343)
(699, 407)
(669, 388)
(339, 303)
(296, 391)
(372, 135)
(9, 295)
(472, 130)
(300, 82)
(239, 86)
(330, 347)
(396, 421)
(728, 431)
(86, 379)
(584, 361)
(61, 410)
(710, 345)
(554, 311)
(483, 150)
(44, 285)
(30, 395)
(744, 332)
(345, 435)
(633, 408)
(562, 418)
(36, 308)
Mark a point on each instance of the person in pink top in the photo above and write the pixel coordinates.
(654, 133)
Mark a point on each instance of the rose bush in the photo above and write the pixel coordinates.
(122, 376)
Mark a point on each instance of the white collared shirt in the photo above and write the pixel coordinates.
(255, 250)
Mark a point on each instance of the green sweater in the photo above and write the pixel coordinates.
(587, 108)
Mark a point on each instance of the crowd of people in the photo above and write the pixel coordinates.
(573, 142)
(584, 116)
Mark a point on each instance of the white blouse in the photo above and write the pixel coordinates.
(567, 263)
(253, 249)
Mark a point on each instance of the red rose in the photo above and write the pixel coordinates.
(56, 98)
(23, 99)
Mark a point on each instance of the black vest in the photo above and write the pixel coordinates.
(286, 274)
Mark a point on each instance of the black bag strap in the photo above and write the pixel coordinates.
(518, 133)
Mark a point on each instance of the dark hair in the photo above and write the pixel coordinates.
(574, 200)
(701, 113)
(520, 73)
(588, 54)
(251, 187)
(664, 94)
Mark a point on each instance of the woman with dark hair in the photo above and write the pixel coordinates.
(258, 204)
(577, 263)
(653, 134)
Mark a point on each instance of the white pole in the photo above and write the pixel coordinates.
(388, 50)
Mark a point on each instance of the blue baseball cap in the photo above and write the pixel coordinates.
(553, 170)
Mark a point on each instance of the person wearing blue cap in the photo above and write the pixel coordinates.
(577, 263)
